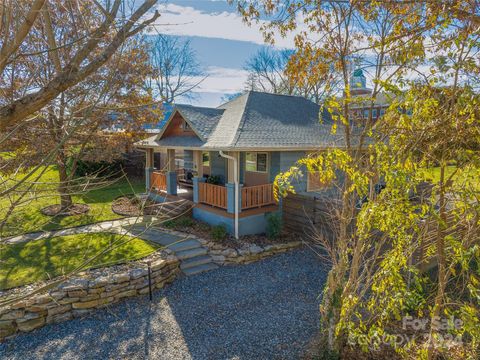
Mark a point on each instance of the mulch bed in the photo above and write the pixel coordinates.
(131, 205)
(202, 230)
(127, 206)
(56, 210)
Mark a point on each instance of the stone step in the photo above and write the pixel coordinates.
(161, 238)
(187, 254)
(183, 245)
(199, 269)
(195, 261)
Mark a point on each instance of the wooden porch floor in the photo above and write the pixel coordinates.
(182, 193)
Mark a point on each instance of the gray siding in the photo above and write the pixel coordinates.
(188, 159)
(274, 165)
(289, 159)
(242, 167)
(218, 166)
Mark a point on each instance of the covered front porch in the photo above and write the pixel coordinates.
(208, 179)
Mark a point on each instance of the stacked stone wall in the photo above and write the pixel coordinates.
(82, 294)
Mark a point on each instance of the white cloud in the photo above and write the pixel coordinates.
(222, 80)
(187, 21)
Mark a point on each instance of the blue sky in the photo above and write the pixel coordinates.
(223, 43)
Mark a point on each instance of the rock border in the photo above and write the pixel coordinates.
(249, 253)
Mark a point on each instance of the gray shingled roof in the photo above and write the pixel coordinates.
(257, 120)
(270, 120)
(203, 119)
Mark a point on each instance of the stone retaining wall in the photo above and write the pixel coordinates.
(222, 255)
(98, 288)
(85, 293)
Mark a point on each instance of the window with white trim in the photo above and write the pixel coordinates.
(256, 162)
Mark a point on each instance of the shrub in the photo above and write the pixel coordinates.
(218, 232)
(100, 168)
(170, 224)
(185, 221)
(214, 180)
(274, 225)
(203, 226)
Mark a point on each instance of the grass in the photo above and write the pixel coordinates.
(28, 218)
(26, 263)
(469, 177)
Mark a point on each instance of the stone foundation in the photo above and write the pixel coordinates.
(82, 294)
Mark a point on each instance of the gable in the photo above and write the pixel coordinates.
(177, 126)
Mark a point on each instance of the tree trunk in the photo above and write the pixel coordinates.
(66, 200)
(441, 260)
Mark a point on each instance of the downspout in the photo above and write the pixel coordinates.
(236, 187)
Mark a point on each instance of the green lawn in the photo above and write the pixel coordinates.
(25, 263)
(28, 217)
(470, 177)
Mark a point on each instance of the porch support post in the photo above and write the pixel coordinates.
(171, 160)
(198, 162)
(231, 164)
(171, 183)
(231, 183)
(171, 173)
(148, 168)
(231, 198)
(196, 189)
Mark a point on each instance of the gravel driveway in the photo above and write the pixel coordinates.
(265, 310)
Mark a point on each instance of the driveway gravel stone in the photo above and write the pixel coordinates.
(264, 310)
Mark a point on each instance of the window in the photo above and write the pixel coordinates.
(185, 126)
(374, 113)
(256, 162)
(313, 181)
(366, 114)
(382, 111)
(205, 158)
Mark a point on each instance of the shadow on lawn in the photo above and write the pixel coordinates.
(23, 261)
(36, 260)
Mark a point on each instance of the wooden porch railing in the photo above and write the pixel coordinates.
(158, 181)
(214, 195)
(256, 196)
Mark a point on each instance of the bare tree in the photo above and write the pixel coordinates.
(266, 70)
(99, 33)
(176, 70)
(269, 71)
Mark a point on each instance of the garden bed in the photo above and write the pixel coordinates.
(133, 205)
(214, 234)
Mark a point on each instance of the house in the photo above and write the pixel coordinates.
(362, 108)
(232, 153)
